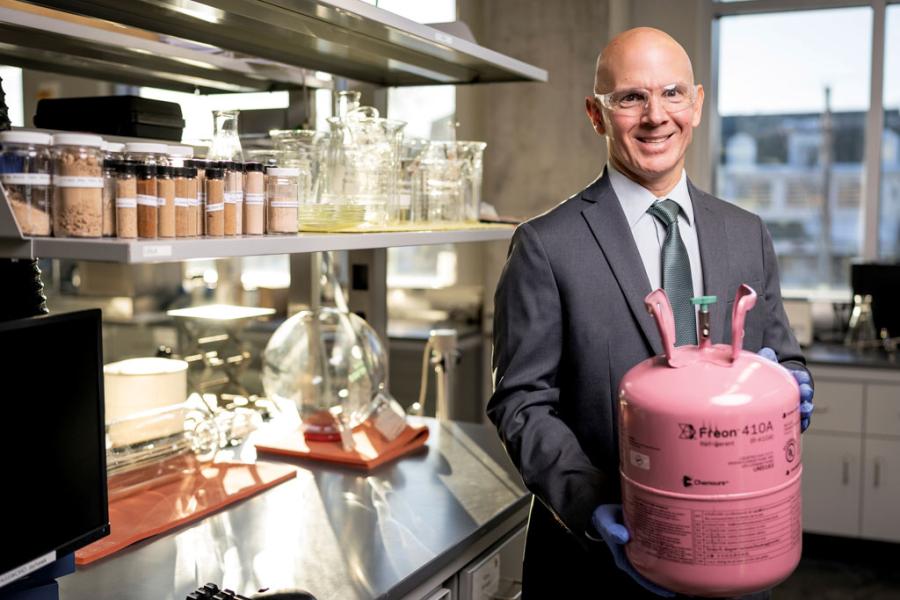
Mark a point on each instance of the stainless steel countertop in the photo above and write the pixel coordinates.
(838, 355)
(335, 532)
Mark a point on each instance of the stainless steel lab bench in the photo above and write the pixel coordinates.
(404, 530)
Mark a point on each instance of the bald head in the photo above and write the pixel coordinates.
(628, 54)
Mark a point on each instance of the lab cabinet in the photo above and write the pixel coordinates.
(831, 480)
(881, 490)
(851, 454)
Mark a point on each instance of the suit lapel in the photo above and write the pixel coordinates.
(712, 235)
(607, 221)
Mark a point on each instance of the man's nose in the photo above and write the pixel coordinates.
(654, 113)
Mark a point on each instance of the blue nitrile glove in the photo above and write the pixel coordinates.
(806, 391)
(608, 521)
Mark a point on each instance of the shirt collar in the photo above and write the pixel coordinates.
(636, 199)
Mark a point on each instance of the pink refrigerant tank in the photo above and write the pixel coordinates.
(709, 442)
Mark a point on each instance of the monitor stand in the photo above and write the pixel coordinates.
(41, 584)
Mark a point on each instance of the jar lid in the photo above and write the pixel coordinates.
(250, 167)
(214, 173)
(145, 148)
(182, 151)
(191, 172)
(77, 139)
(25, 137)
(163, 171)
(126, 168)
(113, 146)
(283, 171)
(146, 171)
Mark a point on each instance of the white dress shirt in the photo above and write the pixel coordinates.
(649, 234)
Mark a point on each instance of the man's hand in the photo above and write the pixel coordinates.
(608, 522)
(806, 391)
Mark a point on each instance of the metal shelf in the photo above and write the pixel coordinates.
(174, 250)
(50, 40)
(348, 38)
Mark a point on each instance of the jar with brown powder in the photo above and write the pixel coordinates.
(78, 185)
(165, 195)
(234, 197)
(147, 203)
(282, 199)
(126, 200)
(183, 206)
(254, 199)
(215, 202)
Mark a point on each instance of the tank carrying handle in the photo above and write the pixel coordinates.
(657, 303)
(744, 300)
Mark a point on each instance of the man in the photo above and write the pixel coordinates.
(570, 318)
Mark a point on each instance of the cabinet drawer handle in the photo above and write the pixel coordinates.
(876, 476)
(845, 472)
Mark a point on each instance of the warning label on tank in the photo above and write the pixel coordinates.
(716, 537)
(755, 462)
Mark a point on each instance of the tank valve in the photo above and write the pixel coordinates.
(703, 318)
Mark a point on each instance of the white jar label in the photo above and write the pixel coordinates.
(161, 201)
(194, 201)
(145, 200)
(215, 207)
(254, 198)
(75, 181)
(25, 178)
(126, 202)
(234, 197)
(284, 203)
(182, 202)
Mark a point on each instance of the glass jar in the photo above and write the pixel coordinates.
(165, 196)
(111, 160)
(77, 185)
(254, 199)
(147, 202)
(281, 199)
(215, 202)
(126, 200)
(147, 153)
(25, 175)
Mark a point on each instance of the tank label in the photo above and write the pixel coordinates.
(760, 532)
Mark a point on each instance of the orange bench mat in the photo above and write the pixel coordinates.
(372, 449)
(178, 498)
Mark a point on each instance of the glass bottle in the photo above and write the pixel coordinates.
(226, 145)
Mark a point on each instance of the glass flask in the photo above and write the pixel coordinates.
(328, 362)
(226, 145)
(362, 166)
(472, 153)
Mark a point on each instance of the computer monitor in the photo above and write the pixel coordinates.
(53, 439)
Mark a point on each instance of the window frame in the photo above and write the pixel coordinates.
(871, 183)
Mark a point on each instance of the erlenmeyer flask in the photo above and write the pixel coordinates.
(326, 361)
(226, 145)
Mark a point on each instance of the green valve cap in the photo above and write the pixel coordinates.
(704, 302)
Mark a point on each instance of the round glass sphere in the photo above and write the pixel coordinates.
(331, 364)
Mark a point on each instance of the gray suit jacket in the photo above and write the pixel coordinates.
(570, 321)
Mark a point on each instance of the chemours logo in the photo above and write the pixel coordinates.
(689, 481)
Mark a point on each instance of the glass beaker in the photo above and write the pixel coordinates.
(362, 167)
(226, 144)
(326, 361)
(301, 149)
(411, 151)
(438, 184)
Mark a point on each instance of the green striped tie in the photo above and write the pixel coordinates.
(676, 272)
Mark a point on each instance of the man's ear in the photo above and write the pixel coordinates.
(595, 115)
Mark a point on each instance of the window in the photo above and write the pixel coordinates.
(889, 217)
(793, 96)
